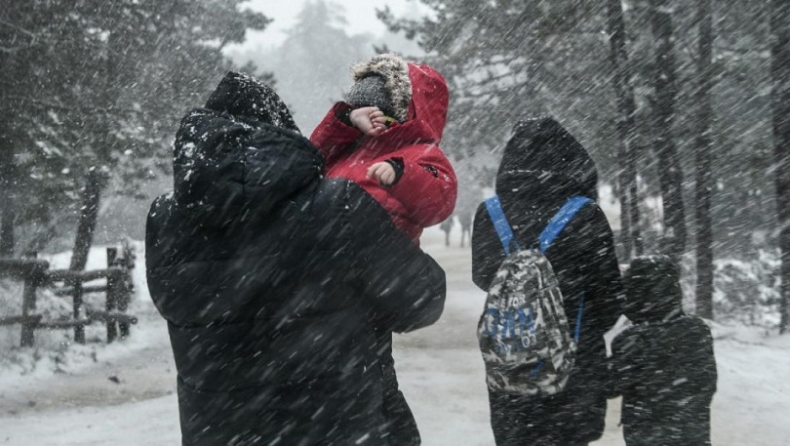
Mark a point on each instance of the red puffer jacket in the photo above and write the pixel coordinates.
(425, 195)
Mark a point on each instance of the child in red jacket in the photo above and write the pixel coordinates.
(386, 136)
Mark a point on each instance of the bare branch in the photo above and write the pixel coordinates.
(8, 50)
(20, 29)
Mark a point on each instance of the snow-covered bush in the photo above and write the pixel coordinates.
(745, 291)
(748, 292)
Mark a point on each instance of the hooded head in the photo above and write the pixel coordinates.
(241, 155)
(543, 162)
(413, 94)
(383, 82)
(244, 96)
(653, 290)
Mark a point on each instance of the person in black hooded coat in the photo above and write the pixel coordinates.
(275, 280)
(664, 366)
(542, 167)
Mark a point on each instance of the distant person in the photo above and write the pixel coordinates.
(542, 168)
(468, 199)
(465, 218)
(385, 137)
(664, 365)
(446, 227)
(273, 282)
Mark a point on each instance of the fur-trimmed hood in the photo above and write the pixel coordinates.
(419, 94)
(395, 72)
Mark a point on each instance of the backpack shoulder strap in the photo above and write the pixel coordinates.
(501, 224)
(560, 220)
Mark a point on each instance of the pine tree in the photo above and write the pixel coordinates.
(97, 90)
(511, 59)
(780, 70)
(315, 61)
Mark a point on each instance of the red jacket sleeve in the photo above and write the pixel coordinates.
(332, 135)
(428, 188)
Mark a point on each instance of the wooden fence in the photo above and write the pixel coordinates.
(35, 274)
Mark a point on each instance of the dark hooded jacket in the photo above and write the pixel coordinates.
(272, 282)
(664, 364)
(542, 167)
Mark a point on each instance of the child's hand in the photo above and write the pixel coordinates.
(383, 172)
(370, 120)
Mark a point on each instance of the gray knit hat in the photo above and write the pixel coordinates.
(372, 91)
(383, 81)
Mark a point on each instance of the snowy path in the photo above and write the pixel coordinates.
(440, 371)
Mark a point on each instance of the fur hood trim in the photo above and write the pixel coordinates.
(395, 72)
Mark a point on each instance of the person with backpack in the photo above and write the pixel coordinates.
(571, 291)
(664, 366)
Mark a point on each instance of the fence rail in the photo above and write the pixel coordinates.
(35, 274)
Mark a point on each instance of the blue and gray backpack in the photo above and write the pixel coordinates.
(524, 333)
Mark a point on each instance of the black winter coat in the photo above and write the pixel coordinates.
(664, 365)
(274, 281)
(667, 377)
(542, 167)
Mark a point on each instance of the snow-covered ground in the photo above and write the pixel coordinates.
(122, 394)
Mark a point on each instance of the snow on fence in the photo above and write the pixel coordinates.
(35, 274)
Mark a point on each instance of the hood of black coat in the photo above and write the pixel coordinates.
(239, 94)
(653, 290)
(543, 165)
(231, 168)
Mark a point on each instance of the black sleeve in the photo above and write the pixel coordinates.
(605, 279)
(623, 365)
(398, 167)
(344, 116)
(405, 286)
(591, 271)
(487, 251)
(156, 247)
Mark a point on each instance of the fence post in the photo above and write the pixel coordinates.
(125, 287)
(112, 293)
(32, 278)
(79, 330)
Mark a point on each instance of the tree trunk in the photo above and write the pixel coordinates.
(6, 221)
(8, 71)
(95, 182)
(7, 208)
(780, 71)
(626, 126)
(670, 172)
(87, 222)
(703, 162)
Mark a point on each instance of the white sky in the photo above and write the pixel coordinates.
(360, 15)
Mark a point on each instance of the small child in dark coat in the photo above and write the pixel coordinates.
(664, 365)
